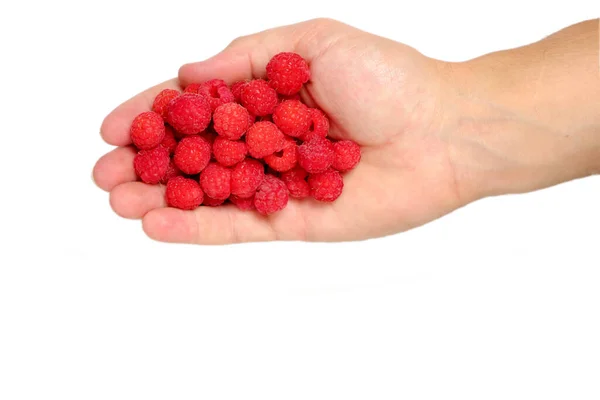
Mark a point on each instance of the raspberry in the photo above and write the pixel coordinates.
(231, 120)
(151, 165)
(316, 155)
(295, 96)
(287, 72)
(215, 181)
(243, 203)
(292, 117)
(208, 136)
(192, 154)
(319, 125)
(192, 88)
(169, 142)
(287, 159)
(217, 92)
(264, 138)
(229, 152)
(162, 100)
(347, 155)
(236, 90)
(184, 193)
(271, 196)
(147, 130)
(246, 176)
(326, 186)
(259, 98)
(295, 180)
(189, 114)
(209, 201)
(172, 172)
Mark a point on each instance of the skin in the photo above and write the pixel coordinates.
(435, 135)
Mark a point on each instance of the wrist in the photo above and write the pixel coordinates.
(510, 132)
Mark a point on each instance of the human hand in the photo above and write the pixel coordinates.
(422, 152)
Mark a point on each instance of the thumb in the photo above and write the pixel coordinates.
(246, 57)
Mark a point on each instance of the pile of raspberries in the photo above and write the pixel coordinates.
(254, 143)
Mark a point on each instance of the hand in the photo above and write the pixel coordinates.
(429, 145)
(379, 93)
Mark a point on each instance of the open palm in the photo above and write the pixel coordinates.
(379, 93)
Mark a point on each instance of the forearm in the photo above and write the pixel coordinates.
(529, 117)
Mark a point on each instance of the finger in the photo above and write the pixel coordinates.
(115, 168)
(115, 127)
(134, 199)
(247, 57)
(207, 225)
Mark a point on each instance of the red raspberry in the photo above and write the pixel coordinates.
(217, 92)
(292, 117)
(184, 193)
(326, 186)
(316, 155)
(246, 176)
(236, 90)
(192, 154)
(259, 98)
(169, 142)
(319, 125)
(189, 113)
(231, 120)
(172, 172)
(209, 201)
(215, 181)
(151, 165)
(147, 130)
(347, 155)
(243, 203)
(229, 152)
(271, 196)
(192, 88)
(295, 180)
(287, 159)
(162, 100)
(287, 72)
(264, 138)
(208, 136)
(295, 96)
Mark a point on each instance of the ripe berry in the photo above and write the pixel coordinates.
(192, 154)
(264, 138)
(319, 125)
(287, 72)
(147, 130)
(292, 117)
(259, 98)
(271, 196)
(326, 186)
(246, 176)
(215, 181)
(316, 155)
(217, 92)
(243, 203)
(184, 193)
(347, 155)
(169, 142)
(229, 152)
(172, 172)
(162, 100)
(295, 180)
(231, 120)
(189, 113)
(287, 159)
(236, 90)
(151, 165)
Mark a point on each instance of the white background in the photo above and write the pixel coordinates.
(499, 300)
